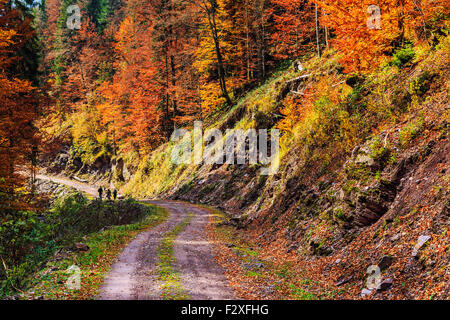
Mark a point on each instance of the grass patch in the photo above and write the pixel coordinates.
(301, 294)
(171, 288)
(104, 246)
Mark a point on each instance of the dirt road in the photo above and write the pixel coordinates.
(83, 187)
(133, 275)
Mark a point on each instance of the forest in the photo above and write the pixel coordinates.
(94, 89)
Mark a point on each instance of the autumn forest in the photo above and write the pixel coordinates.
(92, 90)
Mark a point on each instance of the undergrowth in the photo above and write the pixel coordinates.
(29, 243)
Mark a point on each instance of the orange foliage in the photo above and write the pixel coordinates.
(18, 108)
(130, 107)
(364, 44)
(294, 27)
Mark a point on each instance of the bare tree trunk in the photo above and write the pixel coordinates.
(326, 33)
(419, 7)
(317, 29)
(168, 121)
(247, 40)
(174, 82)
(211, 13)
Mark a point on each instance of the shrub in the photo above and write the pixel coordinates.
(420, 85)
(27, 239)
(410, 132)
(403, 56)
(379, 151)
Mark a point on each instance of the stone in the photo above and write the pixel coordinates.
(385, 284)
(343, 280)
(420, 243)
(253, 266)
(293, 248)
(396, 237)
(366, 292)
(365, 159)
(269, 290)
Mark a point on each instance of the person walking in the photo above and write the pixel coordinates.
(108, 194)
(100, 193)
(115, 194)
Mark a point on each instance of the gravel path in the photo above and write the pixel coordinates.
(83, 187)
(132, 276)
(201, 276)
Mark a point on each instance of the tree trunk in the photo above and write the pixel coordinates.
(317, 29)
(211, 13)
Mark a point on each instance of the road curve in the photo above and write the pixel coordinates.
(133, 276)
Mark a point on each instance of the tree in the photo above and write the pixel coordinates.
(18, 110)
(211, 47)
(367, 33)
(131, 99)
(293, 28)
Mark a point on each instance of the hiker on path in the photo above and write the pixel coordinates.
(108, 194)
(100, 193)
(115, 194)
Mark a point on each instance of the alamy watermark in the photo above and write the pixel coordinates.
(234, 147)
(74, 280)
(374, 19)
(374, 278)
(74, 20)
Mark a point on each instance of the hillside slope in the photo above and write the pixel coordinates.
(363, 176)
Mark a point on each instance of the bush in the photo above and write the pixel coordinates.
(410, 132)
(379, 151)
(28, 239)
(75, 216)
(420, 85)
(403, 56)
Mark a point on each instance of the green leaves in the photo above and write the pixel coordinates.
(403, 56)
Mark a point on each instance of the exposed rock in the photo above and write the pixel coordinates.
(268, 291)
(343, 280)
(420, 243)
(319, 249)
(237, 222)
(366, 292)
(253, 266)
(126, 173)
(366, 160)
(293, 248)
(385, 284)
(370, 208)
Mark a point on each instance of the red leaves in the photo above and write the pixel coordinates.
(293, 27)
(18, 109)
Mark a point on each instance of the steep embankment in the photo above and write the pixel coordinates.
(363, 177)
